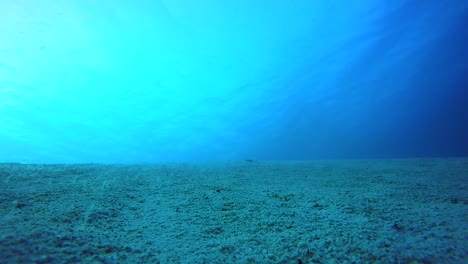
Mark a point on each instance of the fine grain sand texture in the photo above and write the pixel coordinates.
(374, 211)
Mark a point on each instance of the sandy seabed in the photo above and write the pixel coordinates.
(363, 211)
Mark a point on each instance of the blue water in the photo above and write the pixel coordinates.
(196, 80)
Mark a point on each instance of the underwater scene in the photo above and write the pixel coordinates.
(233, 131)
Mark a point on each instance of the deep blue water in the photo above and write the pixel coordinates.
(196, 80)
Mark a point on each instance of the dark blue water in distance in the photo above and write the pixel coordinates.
(179, 80)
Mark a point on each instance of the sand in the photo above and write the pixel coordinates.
(363, 211)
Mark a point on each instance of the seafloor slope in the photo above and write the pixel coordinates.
(387, 211)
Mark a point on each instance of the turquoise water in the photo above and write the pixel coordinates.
(185, 80)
